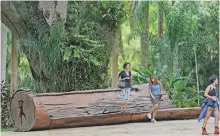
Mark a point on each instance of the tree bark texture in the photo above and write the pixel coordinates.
(144, 39)
(173, 2)
(3, 52)
(121, 47)
(160, 19)
(14, 66)
(115, 59)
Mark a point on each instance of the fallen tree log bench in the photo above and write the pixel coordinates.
(31, 111)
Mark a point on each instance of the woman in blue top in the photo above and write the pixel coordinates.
(155, 91)
(125, 75)
(211, 105)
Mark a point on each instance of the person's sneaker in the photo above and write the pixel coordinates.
(149, 115)
(153, 121)
(204, 132)
(216, 130)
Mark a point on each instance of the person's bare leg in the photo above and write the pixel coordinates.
(127, 94)
(155, 111)
(151, 112)
(208, 113)
(216, 113)
(122, 105)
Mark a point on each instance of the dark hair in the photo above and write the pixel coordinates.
(125, 64)
(212, 79)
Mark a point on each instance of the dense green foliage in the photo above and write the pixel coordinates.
(69, 56)
(189, 27)
(177, 86)
(5, 102)
(75, 55)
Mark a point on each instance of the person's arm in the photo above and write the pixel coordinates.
(125, 78)
(119, 76)
(161, 88)
(150, 93)
(206, 93)
(120, 79)
(130, 77)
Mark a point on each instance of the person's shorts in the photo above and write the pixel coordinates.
(155, 100)
(212, 108)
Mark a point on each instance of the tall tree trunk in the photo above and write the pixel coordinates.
(144, 39)
(130, 12)
(217, 24)
(3, 52)
(143, 51)
(13, 66)
(197, 78)
(115, 59)
(160, 27)
(173, 2)
(121, 48)
(218, 51)
(160, 19)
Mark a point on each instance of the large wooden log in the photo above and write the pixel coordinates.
(30, 111)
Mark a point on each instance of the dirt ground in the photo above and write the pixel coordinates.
(163, 128)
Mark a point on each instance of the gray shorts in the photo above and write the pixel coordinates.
(156, 100)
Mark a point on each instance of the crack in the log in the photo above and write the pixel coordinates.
(87, 111)
(104, 111)
(109, 112)
(51, 116)
(80, 107)
(50, 123)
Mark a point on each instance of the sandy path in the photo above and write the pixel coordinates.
(167, 128)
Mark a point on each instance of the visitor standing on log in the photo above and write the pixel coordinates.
(211, 105)
(125, 83)
(155, 92)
